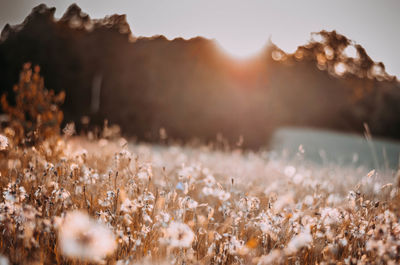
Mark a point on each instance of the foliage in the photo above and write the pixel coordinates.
(36, 114)
(143, 84)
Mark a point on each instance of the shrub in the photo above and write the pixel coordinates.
(36, 114)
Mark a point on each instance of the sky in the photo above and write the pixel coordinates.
(243, 27)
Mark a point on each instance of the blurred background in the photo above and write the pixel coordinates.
(254, 74)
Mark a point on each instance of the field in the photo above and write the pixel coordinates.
(77, 200)
(155, 145)
(100, 199)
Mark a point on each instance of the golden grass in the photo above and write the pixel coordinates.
(80, 200)
(185, 205)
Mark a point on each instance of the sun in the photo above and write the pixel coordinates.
(241, 50)
(248, 48)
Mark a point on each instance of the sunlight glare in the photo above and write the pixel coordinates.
(241, 50)
(351, 52)
(249, 47)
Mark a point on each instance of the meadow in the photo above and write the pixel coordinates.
(101, 199)
(81, 201)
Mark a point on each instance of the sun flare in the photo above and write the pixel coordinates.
(241, 50)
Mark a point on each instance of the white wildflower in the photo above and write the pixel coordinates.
(330, 216)
(207, 191)
(128, 206)
(209, 180)
(334, 199)
(9, 195)
(273, 257)
(3, 142)
(179, 235)
(217, 192)
(163, 217)
(223, 195)
(289, 171)
(235, 246)
(308, 200)
(4, 260)
(73, 167)
(343, 242)
(191, 204)
(283, 201)
(143, 175)
(61, 195)
(297, 179)
(304, 239)
(83, 238)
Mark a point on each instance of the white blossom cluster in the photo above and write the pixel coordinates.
(106, 201)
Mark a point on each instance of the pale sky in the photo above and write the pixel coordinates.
(243, 27)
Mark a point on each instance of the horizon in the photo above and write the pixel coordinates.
(243, 38)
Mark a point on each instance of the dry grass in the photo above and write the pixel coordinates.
(182, 205)
(80, 200)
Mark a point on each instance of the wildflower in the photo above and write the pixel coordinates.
(330, 251)
(217, 192)
(343, 242)
(267, 228)
(143, 175)
(376, 246)
(179, 235)
(163, 218)
(304, 239)
(148, 197)
(4, 260)
(273, 257)
(78, 189)
(103, 142)
(283, 201)
(223, 195)
(147, 218)
(9, 194)
(180, 186)
(145, 172)
(61, 195)
(191, 204)
(209, 180)
(208, 191)
(82, 238)
(330, 215)
(3, 142)
(289, 171)
(128, 206)
(69, 129)
(308, 200)
(334, 199)
(297, 179)
(107, 201)
(236, 246)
